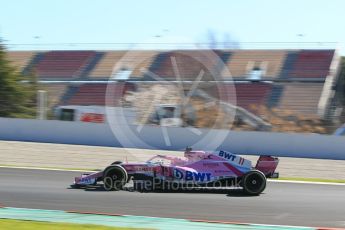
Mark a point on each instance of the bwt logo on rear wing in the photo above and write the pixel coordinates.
(234, 158)
(226, 155)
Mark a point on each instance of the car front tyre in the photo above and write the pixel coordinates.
(114, 178)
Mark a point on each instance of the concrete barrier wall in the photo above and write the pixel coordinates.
(56, 132)
(153, 137)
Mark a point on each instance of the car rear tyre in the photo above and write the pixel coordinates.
(114, 178)
(254, 183)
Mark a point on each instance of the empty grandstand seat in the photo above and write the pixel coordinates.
(248, 94)
(311, 64)
(302, 98)
(63, 64)
(20, 59)
(243, 61)
(139, 62)
(189, 65)
(295, 98)
(105, 66)
(95, 94)
(252, 94)
(114, 61)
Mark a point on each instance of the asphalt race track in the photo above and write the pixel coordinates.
(282, 203)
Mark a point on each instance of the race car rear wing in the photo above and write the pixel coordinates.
(268, 165)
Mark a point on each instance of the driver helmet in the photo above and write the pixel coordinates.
(188, 153)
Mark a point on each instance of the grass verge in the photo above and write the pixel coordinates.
(7, 224)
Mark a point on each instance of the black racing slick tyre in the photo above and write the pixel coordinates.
(114, 177)
(254, 183)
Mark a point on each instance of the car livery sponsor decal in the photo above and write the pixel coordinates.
(232, 157)
(87, 181)
(192, 176)
(143, 169)
(227, 155)
(138, 168)
(241, 161)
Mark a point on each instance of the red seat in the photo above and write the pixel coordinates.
(63, 64)
(312, 64)
(247, 94)
(95, 94)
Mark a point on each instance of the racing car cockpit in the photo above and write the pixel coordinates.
(193, 156)
(166, 160)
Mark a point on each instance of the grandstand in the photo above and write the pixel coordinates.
(104, 67)
(269, 62)
(20, 59)
(311, 64)
(138, 62)
(95, 94)
(64, 64)
(273, 65)
(301, 97)
(112, 62)
(298, 81)
(189, 63)
(248, 94)
(295, 97)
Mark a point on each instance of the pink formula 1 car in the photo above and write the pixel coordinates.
(196, 168)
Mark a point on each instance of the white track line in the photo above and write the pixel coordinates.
(305, 182)
(47, 169)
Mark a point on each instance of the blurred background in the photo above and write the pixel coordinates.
(86, 83)
(219, 75)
